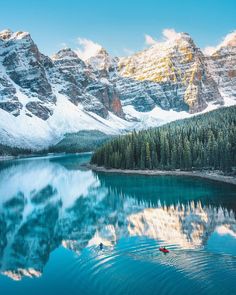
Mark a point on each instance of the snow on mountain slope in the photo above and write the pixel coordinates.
(42, 98)
(34, 133)
(155, 117)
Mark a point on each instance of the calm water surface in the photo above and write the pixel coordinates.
(54, 213)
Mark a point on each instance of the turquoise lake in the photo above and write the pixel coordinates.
(54, 213)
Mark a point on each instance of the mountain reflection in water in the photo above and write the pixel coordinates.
(48, 202)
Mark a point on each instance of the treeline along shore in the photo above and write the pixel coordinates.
(204, 142)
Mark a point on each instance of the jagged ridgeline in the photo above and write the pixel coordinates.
(203, 141)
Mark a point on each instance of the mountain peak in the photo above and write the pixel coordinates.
(185, 36)
(228, 44)
(6, 34)
(65, 53)
(20, 35)
(170, 40)
(101, 60)
(102, 51)
(179, 39)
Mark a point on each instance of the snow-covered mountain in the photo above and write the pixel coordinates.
(42, 98)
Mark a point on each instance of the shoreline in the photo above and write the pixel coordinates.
(29, 156)
(198, 174)
(210, 175)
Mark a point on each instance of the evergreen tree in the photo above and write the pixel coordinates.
(206, 141)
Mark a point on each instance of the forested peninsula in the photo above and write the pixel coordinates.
(206, 141)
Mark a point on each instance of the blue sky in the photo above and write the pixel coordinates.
(119, 26)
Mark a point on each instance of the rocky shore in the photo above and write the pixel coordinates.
(212, 175)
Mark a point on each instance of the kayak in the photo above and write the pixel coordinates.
(164, 250)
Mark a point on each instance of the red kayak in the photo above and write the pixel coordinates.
(164, 250)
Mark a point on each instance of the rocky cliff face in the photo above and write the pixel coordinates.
(21, 63)
(171, 75)
(222, 67)
(78, 82)
(105, 93)
(37, 76)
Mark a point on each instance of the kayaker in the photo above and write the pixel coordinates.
(164, 250)
(101, 246)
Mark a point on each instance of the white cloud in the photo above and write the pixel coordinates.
(229, 40)
(87, 48)
(170, 34)
(167, 35)
(149, 40)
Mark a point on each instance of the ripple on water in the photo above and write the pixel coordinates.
(135, 268)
